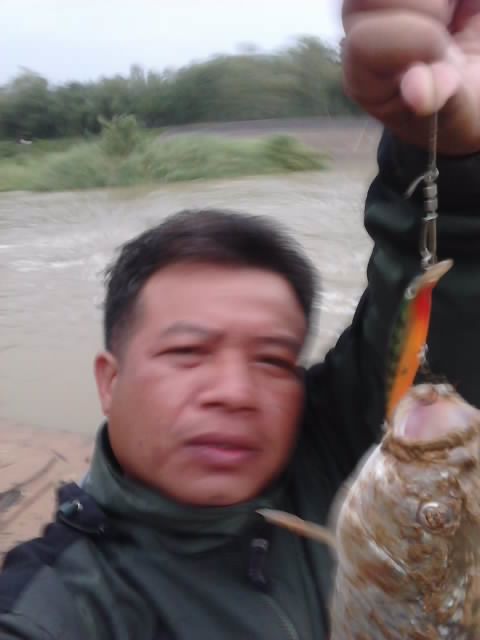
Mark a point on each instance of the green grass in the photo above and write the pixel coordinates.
(72, 164)
(9, 149)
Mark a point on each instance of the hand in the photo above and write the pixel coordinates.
(405, 59)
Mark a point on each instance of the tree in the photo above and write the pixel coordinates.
(301, 80)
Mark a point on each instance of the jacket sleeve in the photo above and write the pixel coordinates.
(345, 393)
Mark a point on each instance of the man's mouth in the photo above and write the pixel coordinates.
(220, 450)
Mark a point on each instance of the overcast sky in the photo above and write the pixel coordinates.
(84, 39)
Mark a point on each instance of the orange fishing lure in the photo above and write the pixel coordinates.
(410, 333)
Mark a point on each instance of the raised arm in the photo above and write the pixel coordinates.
(400, 61)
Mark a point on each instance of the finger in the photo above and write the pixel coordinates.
(366, 88)
(427, 89)
(440, 10)
(384, 47)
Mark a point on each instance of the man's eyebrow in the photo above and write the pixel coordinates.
(289, 342)
(187, 327)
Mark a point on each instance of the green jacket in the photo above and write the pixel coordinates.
(123, 562)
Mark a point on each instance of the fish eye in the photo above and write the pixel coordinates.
(435, 516)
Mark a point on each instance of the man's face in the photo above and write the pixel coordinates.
(204, 402)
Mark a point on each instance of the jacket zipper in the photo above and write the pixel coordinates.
(287, 624)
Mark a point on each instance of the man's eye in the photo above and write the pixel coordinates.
(185, 351)
(278, 363)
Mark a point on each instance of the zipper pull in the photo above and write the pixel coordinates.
(258, 556)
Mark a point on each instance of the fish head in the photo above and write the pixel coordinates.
(409, 527)
(431, 458)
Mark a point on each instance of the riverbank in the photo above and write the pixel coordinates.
(125, 155)
(33, 464)
(154, 161)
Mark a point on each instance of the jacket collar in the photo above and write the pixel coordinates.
(152, 516)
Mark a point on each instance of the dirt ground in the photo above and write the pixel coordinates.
(33, 463)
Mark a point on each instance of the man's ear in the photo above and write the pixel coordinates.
(106, 370)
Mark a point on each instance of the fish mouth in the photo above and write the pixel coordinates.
(431, 413)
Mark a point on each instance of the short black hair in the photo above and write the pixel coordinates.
(211, 236)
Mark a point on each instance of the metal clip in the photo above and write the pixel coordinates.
(428, 237)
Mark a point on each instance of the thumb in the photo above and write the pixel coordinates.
(426, 88)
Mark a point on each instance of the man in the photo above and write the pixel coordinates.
(208, 417)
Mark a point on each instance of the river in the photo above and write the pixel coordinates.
(54, 248)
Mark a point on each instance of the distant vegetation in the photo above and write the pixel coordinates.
(125, 155)
(303, 80)
(108, 133)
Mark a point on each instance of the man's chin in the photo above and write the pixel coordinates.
(218, 492)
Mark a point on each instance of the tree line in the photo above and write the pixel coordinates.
(299, 81)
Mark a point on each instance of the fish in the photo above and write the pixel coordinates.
(407, 529)
(408, 532)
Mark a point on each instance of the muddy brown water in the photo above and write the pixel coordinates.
(54, 248)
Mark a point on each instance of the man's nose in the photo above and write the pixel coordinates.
(231, 383)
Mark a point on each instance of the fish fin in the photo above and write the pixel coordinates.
(299, 526)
